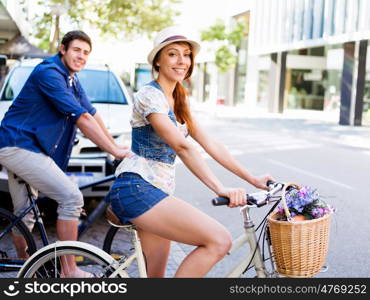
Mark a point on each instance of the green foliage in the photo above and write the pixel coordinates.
(135, 17)
(225, 58)
(238, 33)
(119, 18)
(226, 54)
(215, 32)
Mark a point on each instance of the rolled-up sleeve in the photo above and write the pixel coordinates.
(150, 100)
(54, 86)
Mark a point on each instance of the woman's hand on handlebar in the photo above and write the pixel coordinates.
(237, 196)
(260, 182)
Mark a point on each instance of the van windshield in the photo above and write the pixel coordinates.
(100, 86)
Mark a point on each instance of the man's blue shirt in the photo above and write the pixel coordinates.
(42, 118)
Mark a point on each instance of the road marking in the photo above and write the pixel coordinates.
(311, 174)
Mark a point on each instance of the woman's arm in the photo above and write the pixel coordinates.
(219, 153)
(165, 128)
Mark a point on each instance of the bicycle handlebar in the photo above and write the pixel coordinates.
(218, 201)
(258, 199)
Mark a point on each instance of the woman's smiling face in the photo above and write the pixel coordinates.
(174, 61)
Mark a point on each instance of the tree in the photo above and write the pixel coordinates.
(226, 55)
(125, 18)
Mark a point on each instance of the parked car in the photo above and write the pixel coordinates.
(109, 96)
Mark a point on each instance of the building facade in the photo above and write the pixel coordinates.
(310, 54)
(13, 19)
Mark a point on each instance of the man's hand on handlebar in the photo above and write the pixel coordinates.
(123, 147)
(121, 151)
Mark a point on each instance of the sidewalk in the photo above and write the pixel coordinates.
(326, 124)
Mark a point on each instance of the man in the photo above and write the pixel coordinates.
(37, 135)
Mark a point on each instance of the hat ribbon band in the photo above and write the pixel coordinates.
(175, 37)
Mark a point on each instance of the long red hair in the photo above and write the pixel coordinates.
(180, 93)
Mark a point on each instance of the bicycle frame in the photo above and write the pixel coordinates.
(254, 256)
(138, 255)
(99, 209)
(120, 267)
(38, 221)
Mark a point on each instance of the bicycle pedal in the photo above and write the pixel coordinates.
(122, 259)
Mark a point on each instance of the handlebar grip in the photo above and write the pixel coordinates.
(116, 162)
(218, 201)
(269, 182)
(111, 165)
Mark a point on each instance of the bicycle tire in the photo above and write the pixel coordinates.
(9, 260)
(117, 242)
(45, 263)
(108, 240)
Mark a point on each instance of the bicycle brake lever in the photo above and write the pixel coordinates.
(259, 199)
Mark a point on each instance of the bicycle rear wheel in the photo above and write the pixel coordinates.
(113, 242)
(10, 262)
(46, 263)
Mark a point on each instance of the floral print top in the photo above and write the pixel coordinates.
(161, 175)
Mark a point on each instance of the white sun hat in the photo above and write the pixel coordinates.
(167, 36)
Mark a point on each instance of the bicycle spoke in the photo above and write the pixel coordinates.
(50, 264)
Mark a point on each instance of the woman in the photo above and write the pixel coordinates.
(143, 191)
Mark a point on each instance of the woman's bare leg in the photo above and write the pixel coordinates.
(156, 251)
(176, 220)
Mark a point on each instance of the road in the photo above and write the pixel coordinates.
(334, 159)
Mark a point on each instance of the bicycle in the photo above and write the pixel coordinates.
(9, 261)
(46, 261)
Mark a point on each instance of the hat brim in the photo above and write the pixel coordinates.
(195, 48)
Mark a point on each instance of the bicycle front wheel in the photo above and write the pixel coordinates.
(12, 260)
(46, 263)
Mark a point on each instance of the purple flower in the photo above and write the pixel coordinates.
(305, 201)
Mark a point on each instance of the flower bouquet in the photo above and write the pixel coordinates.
(304, 203)
(299, 231)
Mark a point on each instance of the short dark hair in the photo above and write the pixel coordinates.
(75, 35)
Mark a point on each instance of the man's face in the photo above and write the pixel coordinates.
(75, 57)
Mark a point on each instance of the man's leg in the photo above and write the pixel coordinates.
(19, 195)
(41, 172)
(20, 245)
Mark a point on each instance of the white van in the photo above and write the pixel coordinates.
(109, 96)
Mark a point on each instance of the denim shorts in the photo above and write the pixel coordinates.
(131, 196)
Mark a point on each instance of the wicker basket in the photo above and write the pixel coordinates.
(299, 247)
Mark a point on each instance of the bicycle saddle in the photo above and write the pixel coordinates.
(113, 219)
